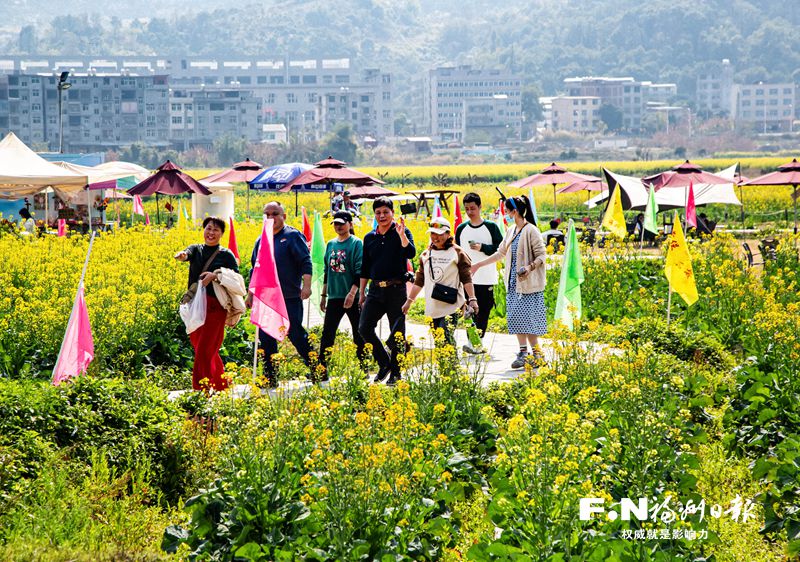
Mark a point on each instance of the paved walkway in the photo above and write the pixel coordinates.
(495, 366)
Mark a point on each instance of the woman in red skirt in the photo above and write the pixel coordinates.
(203, 260)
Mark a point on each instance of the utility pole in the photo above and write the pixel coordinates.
(62, 85)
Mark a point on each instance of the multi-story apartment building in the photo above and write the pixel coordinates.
(765, 107)
(625, 93)
(446, 89)
(297, 93)
(576, 114)
(99, 111)
(201, 114)
(715, 94)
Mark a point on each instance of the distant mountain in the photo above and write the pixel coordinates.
(546, 40)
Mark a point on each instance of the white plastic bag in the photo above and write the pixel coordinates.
(193, 313)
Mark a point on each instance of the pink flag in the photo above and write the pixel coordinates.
(147, 218)
(691, 213)
(77, 349)
(269, 309)
(232, 240)
(457, 213)
(62, 227)
(138, 209)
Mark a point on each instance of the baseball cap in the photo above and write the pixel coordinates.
(342, 217)
(439, 225)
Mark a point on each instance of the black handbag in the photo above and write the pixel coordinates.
(192, 290)
(441, 292)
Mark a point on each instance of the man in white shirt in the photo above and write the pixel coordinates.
(479, 239)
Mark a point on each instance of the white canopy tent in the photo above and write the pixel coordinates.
(23, 172)
(635, 193)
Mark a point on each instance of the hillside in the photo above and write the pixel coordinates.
(661, 40)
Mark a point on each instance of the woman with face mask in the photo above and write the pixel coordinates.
(204, 262)
(524, 250)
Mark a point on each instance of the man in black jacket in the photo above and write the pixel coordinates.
(386, 252)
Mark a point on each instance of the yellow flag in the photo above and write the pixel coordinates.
(678, 268)
(614, 219)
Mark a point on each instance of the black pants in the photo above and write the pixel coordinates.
(448, 324)
(485, 296)
(297, 335)
(333, 315)
(384, 301)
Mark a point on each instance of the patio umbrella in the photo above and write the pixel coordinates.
(326, 172)
(682, 176)
(370, 192)
(787, 174)
(241, 172)
(169, 180)
(276, 177)
(554, 175)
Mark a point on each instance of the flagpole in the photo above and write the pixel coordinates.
(255, 356)
(77, 292)
(669, 304)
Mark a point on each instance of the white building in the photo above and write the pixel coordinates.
(446, 89)
(765, 107)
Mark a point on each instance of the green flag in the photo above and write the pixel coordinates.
(650, 212)
(317, 259)
(568, 303)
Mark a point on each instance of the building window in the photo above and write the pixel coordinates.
(294, 79)
(309, 79)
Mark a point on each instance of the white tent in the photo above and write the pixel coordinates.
(107, 171)
(635, 191)
(23, 172)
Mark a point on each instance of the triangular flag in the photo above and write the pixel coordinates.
(503, 212)
(232, 246)
(269, 309)
(614, 219)
(317, 258)
(77, 349)
(437, 208)
(691, 212)
(568, 303)
(306, 226)
(533, 205)
(147, 219)
(138, 208)
(185, 212)
(678, 267)
(62, 227)
(458, 218)
(651, 212)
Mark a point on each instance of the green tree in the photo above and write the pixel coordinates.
(611, 115)
(339, 143)
(229, 149)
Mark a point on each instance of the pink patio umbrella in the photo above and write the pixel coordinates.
(554, 175)
(787, 174)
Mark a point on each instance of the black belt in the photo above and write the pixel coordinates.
(389, 283)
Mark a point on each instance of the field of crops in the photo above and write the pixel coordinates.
(699, 418)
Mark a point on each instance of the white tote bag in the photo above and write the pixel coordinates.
(193, 313)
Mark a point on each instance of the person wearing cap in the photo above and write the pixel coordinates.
(443, 263)
(386, 252)
(348, 204)
(340, 288)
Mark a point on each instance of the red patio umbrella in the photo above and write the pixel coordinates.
(370, 191)
(169, 180)
(329, 171)
(241, 172)
(554, 175)
(683, 175)
(787, 174)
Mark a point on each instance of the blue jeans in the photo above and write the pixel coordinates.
(297, 335)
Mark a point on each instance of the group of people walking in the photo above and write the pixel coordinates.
(367, 280)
